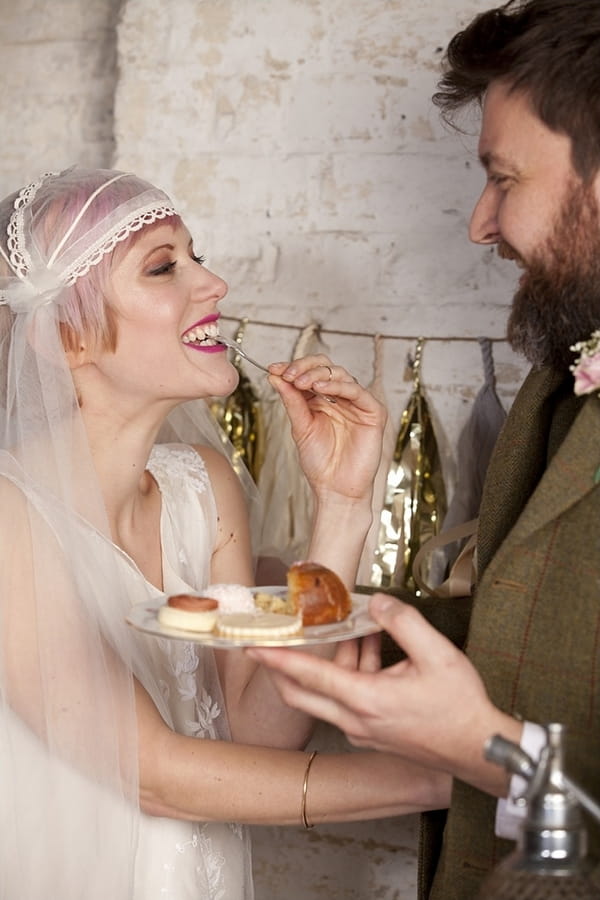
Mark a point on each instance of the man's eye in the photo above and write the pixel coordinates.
(162, 270)
(498, 180)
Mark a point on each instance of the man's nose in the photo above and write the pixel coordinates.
(483, 227)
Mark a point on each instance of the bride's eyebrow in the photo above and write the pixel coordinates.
(170, 247)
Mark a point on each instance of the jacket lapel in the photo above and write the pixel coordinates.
(571, 473)
(521, 456)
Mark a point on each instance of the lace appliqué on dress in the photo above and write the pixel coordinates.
(211, 871)
(180, 465)
(215, 863)
(182, 468)
(207, 711)
(179, 470)
(182, 662)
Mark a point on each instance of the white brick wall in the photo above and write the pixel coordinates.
(301, 143)
(299, 140)
(58, 83)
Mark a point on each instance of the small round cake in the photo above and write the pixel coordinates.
(318, 594)
(269, 626)
(189, 613)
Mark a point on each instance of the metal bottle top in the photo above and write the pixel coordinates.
(554, 829)
(553, 836)
(549, 862)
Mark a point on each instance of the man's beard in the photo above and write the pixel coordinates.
(558, 302)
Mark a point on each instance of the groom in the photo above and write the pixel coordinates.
(533, 647)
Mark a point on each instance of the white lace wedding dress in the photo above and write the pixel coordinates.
(174, 860)
(180, 860)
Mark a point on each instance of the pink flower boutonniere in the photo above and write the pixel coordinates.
(587, 367)
(586, 370)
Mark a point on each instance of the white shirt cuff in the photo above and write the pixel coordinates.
(510, 814)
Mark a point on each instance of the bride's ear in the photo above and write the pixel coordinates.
(76, 347)
(77, 356)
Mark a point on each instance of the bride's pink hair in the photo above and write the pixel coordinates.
(85, 312)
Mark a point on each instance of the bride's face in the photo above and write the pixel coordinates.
(166, 308)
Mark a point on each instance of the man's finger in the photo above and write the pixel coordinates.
(317, 705)
(315, 675)
(370, 653)
(421, 642)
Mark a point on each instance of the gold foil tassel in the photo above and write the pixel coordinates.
(240, 416)
(415, 497)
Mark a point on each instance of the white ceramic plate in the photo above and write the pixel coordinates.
(144, 617)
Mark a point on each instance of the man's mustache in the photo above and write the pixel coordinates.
(505, 251)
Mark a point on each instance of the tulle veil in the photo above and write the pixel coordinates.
(69, 811)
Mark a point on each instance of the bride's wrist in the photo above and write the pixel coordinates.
(326, 499)
(338, 536)
(341, 511)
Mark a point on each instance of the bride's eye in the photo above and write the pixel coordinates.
(162, 269)
(199, 259)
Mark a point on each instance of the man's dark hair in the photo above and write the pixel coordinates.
(550, 50)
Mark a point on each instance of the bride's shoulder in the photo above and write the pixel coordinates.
(179, 464)
(197, 465)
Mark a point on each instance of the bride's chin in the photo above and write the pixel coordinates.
(226, 385)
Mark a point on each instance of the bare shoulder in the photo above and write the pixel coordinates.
(232, 560)
(218, 466)
(211, 456)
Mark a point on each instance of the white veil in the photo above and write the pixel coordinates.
(69, 809)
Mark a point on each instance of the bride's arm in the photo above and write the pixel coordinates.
(73, 693)
(339, 447)
(187, 778)
(255, 710)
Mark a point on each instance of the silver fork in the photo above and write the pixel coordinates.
(233, 345)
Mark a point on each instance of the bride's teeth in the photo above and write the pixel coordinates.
(209, 333)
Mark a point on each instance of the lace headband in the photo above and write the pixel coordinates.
(36, 286)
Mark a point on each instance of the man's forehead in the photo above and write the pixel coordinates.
(513, 138)
(503, 111)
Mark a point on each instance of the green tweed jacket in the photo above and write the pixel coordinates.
(534, 631)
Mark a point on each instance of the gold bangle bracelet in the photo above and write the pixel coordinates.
(305, 821)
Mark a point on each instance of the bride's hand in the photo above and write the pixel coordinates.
(336, 423)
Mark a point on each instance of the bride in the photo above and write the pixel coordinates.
(129, 764)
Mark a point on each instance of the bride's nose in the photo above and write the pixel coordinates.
(210, 286)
